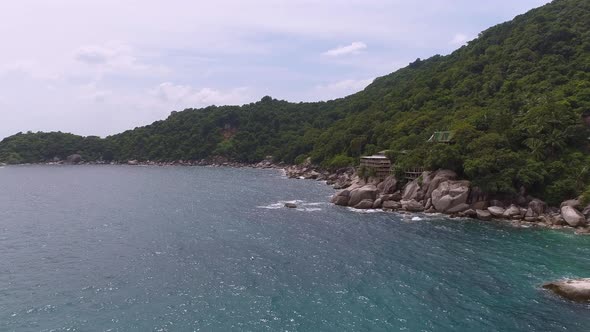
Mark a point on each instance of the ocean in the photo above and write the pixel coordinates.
(130, 248)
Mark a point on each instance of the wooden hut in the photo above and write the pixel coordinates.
(379, 163)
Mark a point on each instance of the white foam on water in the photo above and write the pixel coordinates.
(309, 209)
(301, 205)
(416, 219)
(365, 211)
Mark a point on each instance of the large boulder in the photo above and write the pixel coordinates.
(365, 192)
(572, 216)
(458, 208)
(388, 186)
(365, 204)
(496, 211)
(536, 208)
(511, 212)
(449, 195)
(396, 196)
(411, 191)
(470, 213)
(483, 214)
(341, 198)
(74, 158)
(378, 203)
(391, 205)
(412, 205)
(572, 202)
(433, 180)
(575, 290)
(480, 205)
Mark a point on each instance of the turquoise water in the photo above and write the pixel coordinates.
(118, 248)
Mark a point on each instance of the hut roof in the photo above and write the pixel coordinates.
(442, 137)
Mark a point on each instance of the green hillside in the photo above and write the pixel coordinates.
(514, 97)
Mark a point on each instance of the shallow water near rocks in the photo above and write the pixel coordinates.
(120, 248)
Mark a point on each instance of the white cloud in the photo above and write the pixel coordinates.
(353, 48)
(29, 68)
(115, 57)
(341, 88)
(187, 96)
(459, 39)
(91, 92)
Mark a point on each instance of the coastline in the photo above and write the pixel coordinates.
(438, 192)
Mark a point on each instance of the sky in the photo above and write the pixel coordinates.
(99, 67)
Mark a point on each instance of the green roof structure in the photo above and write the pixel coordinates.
(442, 137)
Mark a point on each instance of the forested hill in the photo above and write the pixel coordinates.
(515, 97)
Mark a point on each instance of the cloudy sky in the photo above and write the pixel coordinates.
(98, 67)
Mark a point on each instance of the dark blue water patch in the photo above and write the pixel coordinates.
(96, 248)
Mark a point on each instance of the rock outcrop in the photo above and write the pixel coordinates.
(575, 290)
(449, 195)
(483, 214)
(365, 192)
(496, 211)
(74, 158)
(388, 186)
(412, 205)
(411, 191)
(441, 192)
(572, 216)
(364, 204)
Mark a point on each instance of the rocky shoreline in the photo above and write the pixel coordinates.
(442, 192)
(433, 192)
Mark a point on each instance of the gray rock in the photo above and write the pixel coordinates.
(572, 202)
(388, 186)
(74, 158)
(412, 205)
(511, 212)
(470, 213)
(575, 290)
(433, 180)
(411, 191)
(536, 207)
(428, 204)
(341, 200)
(483, 214)
(366, 192)
(449, 195)
(481, 205)
(572, 216)
(557, 219)
(290, 205)
(365, 204)
(458, 208)
(377, 204)
(132, 162)
(496, 211)
(397, 196)
(391, 205)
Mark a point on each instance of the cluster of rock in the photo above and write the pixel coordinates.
(576, 290)
(442, 192)
(342, 178)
